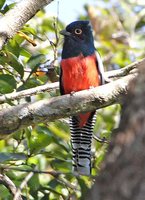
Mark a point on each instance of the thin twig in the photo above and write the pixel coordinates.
(5, 180)
(23, 184)
(53, 86)
(56, 174)
(133, 67)
(29, 92)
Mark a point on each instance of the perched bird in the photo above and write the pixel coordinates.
(81, 68)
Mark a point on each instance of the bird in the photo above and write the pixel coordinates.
(81, 68)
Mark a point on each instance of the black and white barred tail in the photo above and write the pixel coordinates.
(81, 140)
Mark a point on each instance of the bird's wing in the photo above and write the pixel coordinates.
(61, 88)
(100, 68)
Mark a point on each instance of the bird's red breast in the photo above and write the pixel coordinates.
(80, 73)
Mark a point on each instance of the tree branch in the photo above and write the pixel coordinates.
(10, 185)
(29, 92)
(58, 175)
(16, 17)
(51, 86)
(132, 68)
(23, 184)
(16, 117)
(27, 114)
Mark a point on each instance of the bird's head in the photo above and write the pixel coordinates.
(78, 39)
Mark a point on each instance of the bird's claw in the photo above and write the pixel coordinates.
(107, 80)
(91, 87)
(101, 140)
(72, 93)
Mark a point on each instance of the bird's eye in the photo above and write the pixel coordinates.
(78, 31)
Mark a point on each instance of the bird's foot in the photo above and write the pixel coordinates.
(91, 87)
(72, 93)
(107, 80)
(101, 140)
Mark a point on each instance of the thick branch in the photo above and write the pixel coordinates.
(51, 86)
(58, 107)
(16, 17)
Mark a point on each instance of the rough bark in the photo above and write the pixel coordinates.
(16, 17)
(123, 172)
(58, 107)
(48, 110)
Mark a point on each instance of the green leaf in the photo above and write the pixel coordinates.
(11, 156)
(34, 183)
(28, 29)
(8, 7)
(4, 192)
(15, 64)
(12, 60)
(2, 3)
(35, 60)
(13, 47)
(25, 53)
(51, 189)
(83, 186)
(40, 139)
(32, 82)
(7, 83)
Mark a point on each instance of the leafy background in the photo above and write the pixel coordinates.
(43, 152)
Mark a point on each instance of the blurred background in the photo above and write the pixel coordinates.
(31, 59)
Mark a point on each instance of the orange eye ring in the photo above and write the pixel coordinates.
(78, 31)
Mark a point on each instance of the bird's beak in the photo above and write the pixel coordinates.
(65, 33)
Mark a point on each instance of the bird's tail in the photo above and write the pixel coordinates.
(81, 140)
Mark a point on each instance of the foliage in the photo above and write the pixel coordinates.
(119, 33)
